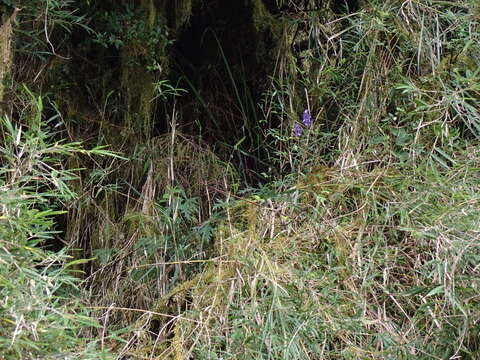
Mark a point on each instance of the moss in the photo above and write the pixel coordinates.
(177, 344)
(140, 53)
(261, 17)
(6, 32)
(151, 9)
(321, 181)
(268, 31)
(177, 299)
(206, 292)
(183, 11)
(139, 89)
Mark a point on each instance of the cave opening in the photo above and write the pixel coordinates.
(217, 59)
(344, 6)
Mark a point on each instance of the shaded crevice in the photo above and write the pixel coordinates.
(222, 60)
(344, 6)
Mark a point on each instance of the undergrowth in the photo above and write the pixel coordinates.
(362, 244)
(41, 312)
(366, 247)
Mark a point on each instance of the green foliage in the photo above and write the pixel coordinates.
(362, 245)
(41, 312)
(372, 254)
(38, 35)
(164, 90)
(9, 4)
(388, 270)
(132, 28)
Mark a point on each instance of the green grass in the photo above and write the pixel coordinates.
(389, 271)
(41, 311)
(363, 245)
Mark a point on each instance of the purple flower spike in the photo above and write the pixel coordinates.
(307, 118)
(297, 129)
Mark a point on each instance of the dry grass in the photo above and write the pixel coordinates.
(364, 247)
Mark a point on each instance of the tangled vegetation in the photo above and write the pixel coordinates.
(240, 180)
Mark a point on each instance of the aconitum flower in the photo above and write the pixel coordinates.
(307, 118)
(297, 129)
